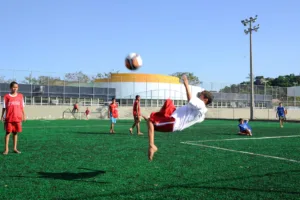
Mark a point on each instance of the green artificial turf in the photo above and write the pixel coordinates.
(80, 160)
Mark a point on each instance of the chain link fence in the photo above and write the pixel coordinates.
(41, 88)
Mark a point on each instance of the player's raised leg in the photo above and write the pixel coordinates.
(152, 148)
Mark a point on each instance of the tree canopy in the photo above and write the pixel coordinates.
(193, 79)
(274, 86)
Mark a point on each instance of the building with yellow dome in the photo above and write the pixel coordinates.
(153, 88)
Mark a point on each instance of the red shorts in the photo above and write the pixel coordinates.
(135, 113)
(163, 120)
(13, 127)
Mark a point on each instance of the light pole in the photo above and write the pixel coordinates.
(295, 83)
(265, 82)
(249, 22)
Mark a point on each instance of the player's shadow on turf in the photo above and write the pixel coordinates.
(71, 176)
(210, 186)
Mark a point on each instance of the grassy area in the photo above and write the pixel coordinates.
(80, 160)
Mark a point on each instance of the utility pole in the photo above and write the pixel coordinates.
(265, 82)
(295, 84)
(249, 22)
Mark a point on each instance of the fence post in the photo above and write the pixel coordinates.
(146, 92)
(79, 89)
(48, 90)
(64, 92)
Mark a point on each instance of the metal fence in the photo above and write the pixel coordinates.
(41, 88)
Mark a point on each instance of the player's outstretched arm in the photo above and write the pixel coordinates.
(187, 88)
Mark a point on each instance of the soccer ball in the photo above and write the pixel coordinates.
(133, 61)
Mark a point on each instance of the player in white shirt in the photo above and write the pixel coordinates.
(170, 119)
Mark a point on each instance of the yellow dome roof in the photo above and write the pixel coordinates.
(128, 77)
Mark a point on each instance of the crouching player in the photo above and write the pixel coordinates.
(170, 119)
(244, 127)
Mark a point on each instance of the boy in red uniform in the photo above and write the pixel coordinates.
(87, 113)
(13, 108)
(136, 115)
(113, 114)
(171, 119)
(75, 108)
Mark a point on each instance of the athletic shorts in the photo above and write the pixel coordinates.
(282, 118)
(112, 119)
(245, 131)
(136, 113)
(13, 127)
(163, 120)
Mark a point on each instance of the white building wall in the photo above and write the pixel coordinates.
(128, 90)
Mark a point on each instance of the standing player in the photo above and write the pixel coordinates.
(280, 113)
(75, 108)
(113, 114)
(244, 127)
(170, 119)
(87, 113)
(13, 107)
(136, 115)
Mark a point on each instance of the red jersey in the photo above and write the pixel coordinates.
(87, 112)
(75, 106)
(136, 111)
(14, 106)
(113, 108)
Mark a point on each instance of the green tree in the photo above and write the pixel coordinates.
(42, 80)
(4, 80)
(275, 86)
(193, 79)
(104, 75)
(78, 77)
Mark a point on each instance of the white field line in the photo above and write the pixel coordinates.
(246, 138)
(243, 152)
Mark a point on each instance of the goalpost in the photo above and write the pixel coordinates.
(100, 113)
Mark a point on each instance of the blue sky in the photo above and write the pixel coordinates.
(203, 37)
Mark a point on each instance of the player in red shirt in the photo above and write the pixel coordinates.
(13, 108)
(75, 108)
(136, 115)
(87, 113)
(113, 114)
